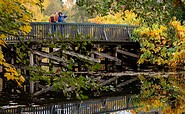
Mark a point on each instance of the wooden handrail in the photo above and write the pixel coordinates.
(95, 32)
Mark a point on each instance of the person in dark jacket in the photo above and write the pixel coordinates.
(61, 19)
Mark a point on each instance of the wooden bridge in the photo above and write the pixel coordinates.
(95, 32)
(110, 45)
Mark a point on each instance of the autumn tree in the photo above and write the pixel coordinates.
(37, 12)
(161, 35)
(15, 17)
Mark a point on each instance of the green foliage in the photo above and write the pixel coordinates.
(151, 11)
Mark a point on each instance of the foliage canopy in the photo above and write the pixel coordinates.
(15, 17)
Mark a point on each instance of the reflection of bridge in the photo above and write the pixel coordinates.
(111, 46)
(93, 106)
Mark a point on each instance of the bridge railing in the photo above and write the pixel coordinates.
(93, 106)
(96, 32)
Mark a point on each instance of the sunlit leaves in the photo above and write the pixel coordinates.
(126, 17)
(15, 18)
(161, 44)
(11, 73)
(37, 12)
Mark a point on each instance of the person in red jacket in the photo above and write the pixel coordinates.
(53, 19)
(55, 16)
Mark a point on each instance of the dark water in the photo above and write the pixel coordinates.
(54, 97)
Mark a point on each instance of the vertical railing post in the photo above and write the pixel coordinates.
(31, 82)
(104, 33)
(128, 32)
(127, 102)
(77, 26)
(104, 105)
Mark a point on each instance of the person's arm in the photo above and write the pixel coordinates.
(50, 19)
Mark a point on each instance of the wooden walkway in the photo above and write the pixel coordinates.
(42, 31)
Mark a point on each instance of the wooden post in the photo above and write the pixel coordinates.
(38, 62)
(114, 54)
(51, 65)
(31, 82)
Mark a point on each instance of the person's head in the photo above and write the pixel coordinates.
(60, 13)
(55, 13)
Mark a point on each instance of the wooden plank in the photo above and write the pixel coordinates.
(80, 56)
(108, 81)
(106, 56)
(127, 82)
(50, 57)
(55, 51)
(43, 90)
(127, 53)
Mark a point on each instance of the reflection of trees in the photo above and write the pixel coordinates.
(166, 93)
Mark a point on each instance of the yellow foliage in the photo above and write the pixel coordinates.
(180, 29)
(161, 98)
(15, 17)
(25, 29)
(127, 17)
(155, 37)
(179, 55)
(11, 73)
(38, 16)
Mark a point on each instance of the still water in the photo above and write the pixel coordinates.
(1, 84)
(159, 91)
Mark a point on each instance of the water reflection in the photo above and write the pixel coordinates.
(1, 84)
(159, 92)
(162, 92)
